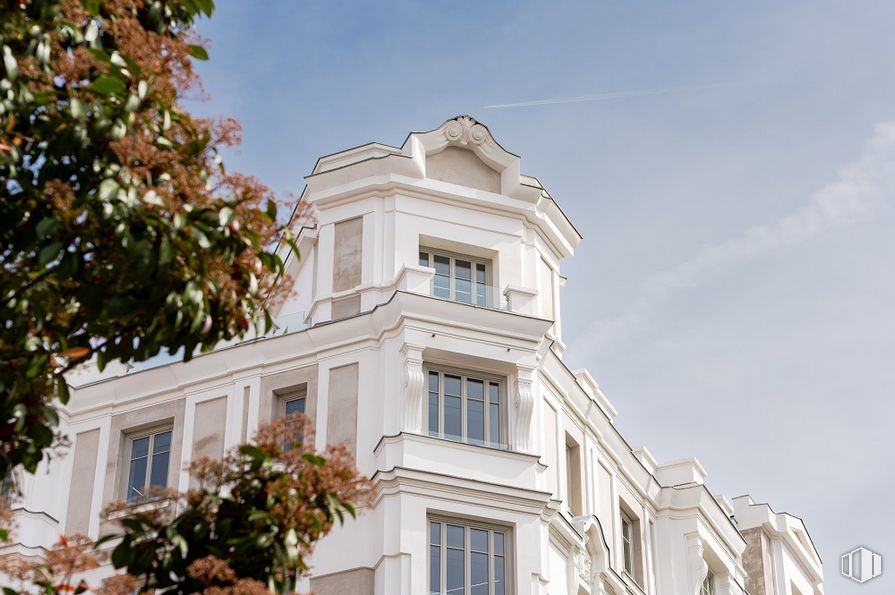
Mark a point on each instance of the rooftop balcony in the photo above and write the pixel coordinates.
(426, 281)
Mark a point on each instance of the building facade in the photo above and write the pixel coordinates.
(425, 332)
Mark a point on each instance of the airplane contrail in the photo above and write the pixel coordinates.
(610, 95)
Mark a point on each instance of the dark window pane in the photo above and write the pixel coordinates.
(475, 389)
(433, 381)
(159, 472)
(475, 420)
(499, 575)
(442, 276)
(456, 536)
(424, 259)
(435, 570)
(456, 573)
(295, 406)
(161, 442)
(433, 413)
(463, 273)
(452, 385)
(494, 413)
(498, 544)
(434, 532)
(136, 486)
(452, 416)
(478, 569)
(442, 287)
(478, 540)
(140, 447)
(463, 292)
(481, 290)
(442, 265)
(463, 270)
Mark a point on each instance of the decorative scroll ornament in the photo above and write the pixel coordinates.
(699, 569)
(524, 406)
(413, 393)
(584, 566)
(464, 130)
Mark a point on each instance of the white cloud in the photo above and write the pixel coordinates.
(860, 191)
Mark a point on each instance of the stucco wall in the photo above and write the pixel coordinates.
(461, 166)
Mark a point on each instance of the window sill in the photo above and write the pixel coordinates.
(474, 443)
(150, 505)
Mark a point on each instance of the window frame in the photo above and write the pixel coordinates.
(465, 375)
(431, 253)
(574, 480)
(130, 438)
(468, 525)
(288, 395)
(627, 543)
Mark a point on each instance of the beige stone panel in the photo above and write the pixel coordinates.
(345, 307)
(753, 562)
(358, 581)
(208, 429)
(83, 473)
(341, 419)
(348, 254)
(463, 167)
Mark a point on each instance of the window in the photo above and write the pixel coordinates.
(467, 559)
(149, 458)
(708, 585)
(628, 544)
(459, 278)
(573, 477)
(294, 401)
(465, 407)
(294, 405)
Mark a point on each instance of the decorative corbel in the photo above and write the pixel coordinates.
(524, 403)
(699, 569)
(413, 389)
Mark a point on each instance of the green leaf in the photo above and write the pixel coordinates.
(198, 52)
(122, 555)
(62, 389)
(108, 188)
(49, 253)
(92, 6)
(108, 85)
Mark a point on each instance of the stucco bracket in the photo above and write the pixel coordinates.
(413, 389)
(524, 406)
(699, 569)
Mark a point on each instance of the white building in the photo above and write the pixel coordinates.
(426, 332)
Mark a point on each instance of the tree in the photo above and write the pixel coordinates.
(121, 232)
(248, 526)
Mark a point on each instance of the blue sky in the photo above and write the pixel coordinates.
(733, 294)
